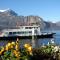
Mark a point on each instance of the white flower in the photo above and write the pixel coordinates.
(56, 48)
(52, 41)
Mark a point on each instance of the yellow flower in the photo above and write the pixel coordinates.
(2, 49)
(26, 45)
(18, 52)
(15, 52)
(6, 48)
(29, 48)
(9, 44)
(30, 53)
(17, 46)
(0, 53)
(13, 43)
(16, 55)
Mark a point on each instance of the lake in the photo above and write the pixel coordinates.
(38, 41)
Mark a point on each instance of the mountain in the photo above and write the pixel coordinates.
(58, 23)
(31, 20)
(10, 19)
(52, 26)
(8, 12)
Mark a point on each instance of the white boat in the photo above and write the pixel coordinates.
(24, 32)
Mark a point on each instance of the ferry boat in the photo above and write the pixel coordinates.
(24, 32)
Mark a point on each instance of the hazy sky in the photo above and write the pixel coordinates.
(49, 10)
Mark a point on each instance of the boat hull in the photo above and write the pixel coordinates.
(27, 37)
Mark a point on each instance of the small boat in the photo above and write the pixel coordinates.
(24, 32)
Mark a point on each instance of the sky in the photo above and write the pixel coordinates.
(49, 10)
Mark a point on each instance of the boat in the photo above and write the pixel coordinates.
(24, 32)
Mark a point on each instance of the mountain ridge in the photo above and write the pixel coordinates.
(9, 19)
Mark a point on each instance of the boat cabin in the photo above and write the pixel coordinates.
(22, 31)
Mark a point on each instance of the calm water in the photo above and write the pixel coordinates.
(39, 41)
(56, 38)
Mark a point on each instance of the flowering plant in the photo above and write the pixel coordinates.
(13, 51)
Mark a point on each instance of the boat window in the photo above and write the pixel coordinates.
(18, 32)
(28, 27)
(30, 31)
(25, 32)
(10, 33)
(36, 27)
(14, 32)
